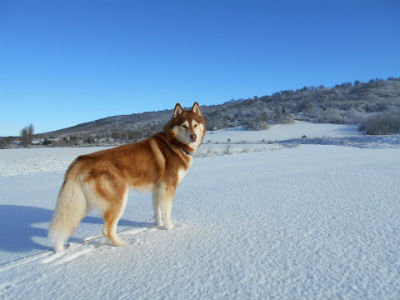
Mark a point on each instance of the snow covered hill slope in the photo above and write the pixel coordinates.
(282, 132)
(312, 221)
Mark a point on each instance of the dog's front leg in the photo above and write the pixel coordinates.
(166, 206)
(156, 205)
(162, 202)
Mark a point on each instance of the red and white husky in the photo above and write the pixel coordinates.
(101, 179)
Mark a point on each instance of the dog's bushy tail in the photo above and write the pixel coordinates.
(71, 207)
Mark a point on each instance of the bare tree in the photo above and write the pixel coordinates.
(26, 136)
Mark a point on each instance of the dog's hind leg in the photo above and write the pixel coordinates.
(111, 217)
(109, 195)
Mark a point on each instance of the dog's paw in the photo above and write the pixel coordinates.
(59, 248)
(117, 242)
(169, 226)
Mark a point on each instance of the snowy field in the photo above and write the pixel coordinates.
(268, 215)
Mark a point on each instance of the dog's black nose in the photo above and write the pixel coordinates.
(193, 137)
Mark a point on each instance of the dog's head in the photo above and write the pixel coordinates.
(188, 127)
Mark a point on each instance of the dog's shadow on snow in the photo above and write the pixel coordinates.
(19, 227)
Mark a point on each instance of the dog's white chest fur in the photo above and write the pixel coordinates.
(182, 172)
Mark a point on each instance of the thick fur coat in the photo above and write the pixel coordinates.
(101, 179)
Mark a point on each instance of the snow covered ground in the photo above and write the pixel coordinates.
(273, 219)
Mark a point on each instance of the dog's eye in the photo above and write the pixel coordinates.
(195, 125)
(185, 126)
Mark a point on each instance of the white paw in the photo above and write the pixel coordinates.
(169, 225)
(117, 242)
(59, 248)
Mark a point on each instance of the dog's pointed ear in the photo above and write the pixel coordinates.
(196, 109)
(178, 110)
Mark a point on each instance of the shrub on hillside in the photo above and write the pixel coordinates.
(338, 116)
(386, 123)
(257, 122)
(5, 143)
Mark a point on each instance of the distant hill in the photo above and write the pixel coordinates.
(344, 103)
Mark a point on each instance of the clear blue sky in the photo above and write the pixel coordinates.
(68, 62)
